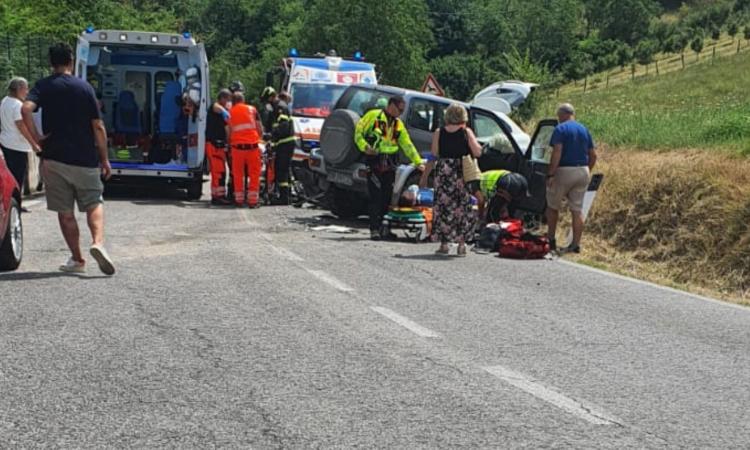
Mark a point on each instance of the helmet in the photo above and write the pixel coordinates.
(381, 103)
(515, 184)
(267, 93)
(237, 86)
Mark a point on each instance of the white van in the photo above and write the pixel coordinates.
(153, 94)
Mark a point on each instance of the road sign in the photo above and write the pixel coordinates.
(431, 86)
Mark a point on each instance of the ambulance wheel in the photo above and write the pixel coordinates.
(195, 190)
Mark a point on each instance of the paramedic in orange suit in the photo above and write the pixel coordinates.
(245, 130)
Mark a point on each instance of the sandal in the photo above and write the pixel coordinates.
(461, 252)
(442, 251)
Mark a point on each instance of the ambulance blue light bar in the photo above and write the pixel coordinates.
(186, 34)
(358, 56)
(293, 52)
(90, 29)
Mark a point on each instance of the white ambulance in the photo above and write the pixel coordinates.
(153, 94)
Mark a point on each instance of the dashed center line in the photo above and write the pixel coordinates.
(291, 256)
(410, 325)
(330, 280)
(577, 408)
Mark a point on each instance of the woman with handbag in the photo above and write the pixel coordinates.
(451, 144)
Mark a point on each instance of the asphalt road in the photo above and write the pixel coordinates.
(252, 328)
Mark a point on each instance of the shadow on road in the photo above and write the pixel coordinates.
(426, 257)
(25, 276)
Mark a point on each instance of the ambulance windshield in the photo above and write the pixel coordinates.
(315, 100)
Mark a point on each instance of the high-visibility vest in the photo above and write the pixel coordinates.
(488, 181)
(243, 123)
(385, 135)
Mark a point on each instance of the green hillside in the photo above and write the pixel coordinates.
(702, 107)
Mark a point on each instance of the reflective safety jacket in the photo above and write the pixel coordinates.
(488, 182)
(386, 135)
(243, 124)
(283, 130)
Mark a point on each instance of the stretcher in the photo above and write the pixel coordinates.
(414, 221)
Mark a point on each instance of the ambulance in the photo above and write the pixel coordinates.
(315, 84)
(152, 91)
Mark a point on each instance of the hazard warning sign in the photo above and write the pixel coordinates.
(431, 86)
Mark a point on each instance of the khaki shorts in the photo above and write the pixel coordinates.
(569, 183)
(66, 185)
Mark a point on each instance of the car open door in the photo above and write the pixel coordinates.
(198, 88)
(536, 166)
(82, 58)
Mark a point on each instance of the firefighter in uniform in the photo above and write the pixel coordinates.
(283, 143)
(269, 101)
(216, 146)
(380, 134)
(245, 131)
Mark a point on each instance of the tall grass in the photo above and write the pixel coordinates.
(703, 107)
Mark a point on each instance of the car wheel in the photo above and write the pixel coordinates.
(346, 204)
(11, 250)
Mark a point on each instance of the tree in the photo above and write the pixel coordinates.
(462, 75)
(397, 42)
(644, 52)
(626, 20)
(697, 46)
(746, 32)
(732, 29)
(715, 33)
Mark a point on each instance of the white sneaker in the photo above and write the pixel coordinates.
(102, 258)
(73, 266)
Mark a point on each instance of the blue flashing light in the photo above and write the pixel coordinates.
(358, 56)
(293, 52)
(187, 35)
(90, 29)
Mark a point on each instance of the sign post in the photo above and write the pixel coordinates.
(431, 86)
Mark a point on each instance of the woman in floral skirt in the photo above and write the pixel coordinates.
(453, 220)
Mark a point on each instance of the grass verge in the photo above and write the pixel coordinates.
(677, 218)
(704, 107)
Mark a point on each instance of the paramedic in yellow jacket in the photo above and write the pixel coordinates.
(380, 134)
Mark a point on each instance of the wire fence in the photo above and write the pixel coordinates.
(24, 56)
(664, 64)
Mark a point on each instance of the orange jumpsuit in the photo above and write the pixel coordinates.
(246, 156)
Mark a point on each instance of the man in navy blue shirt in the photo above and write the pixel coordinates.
(74, 153)
(573, 158)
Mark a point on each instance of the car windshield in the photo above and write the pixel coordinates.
(315, 100)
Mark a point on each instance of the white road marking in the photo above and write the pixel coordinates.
(266, 237)
(410, 325)
(243, 214)
(653, 285)
(328, 279)
(577, 408)
(32, 203)
(291, 256)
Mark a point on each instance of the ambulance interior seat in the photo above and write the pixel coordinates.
(166, 138)
(169, 108)
(127, 115)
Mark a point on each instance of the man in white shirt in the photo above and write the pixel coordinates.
(15, 138)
